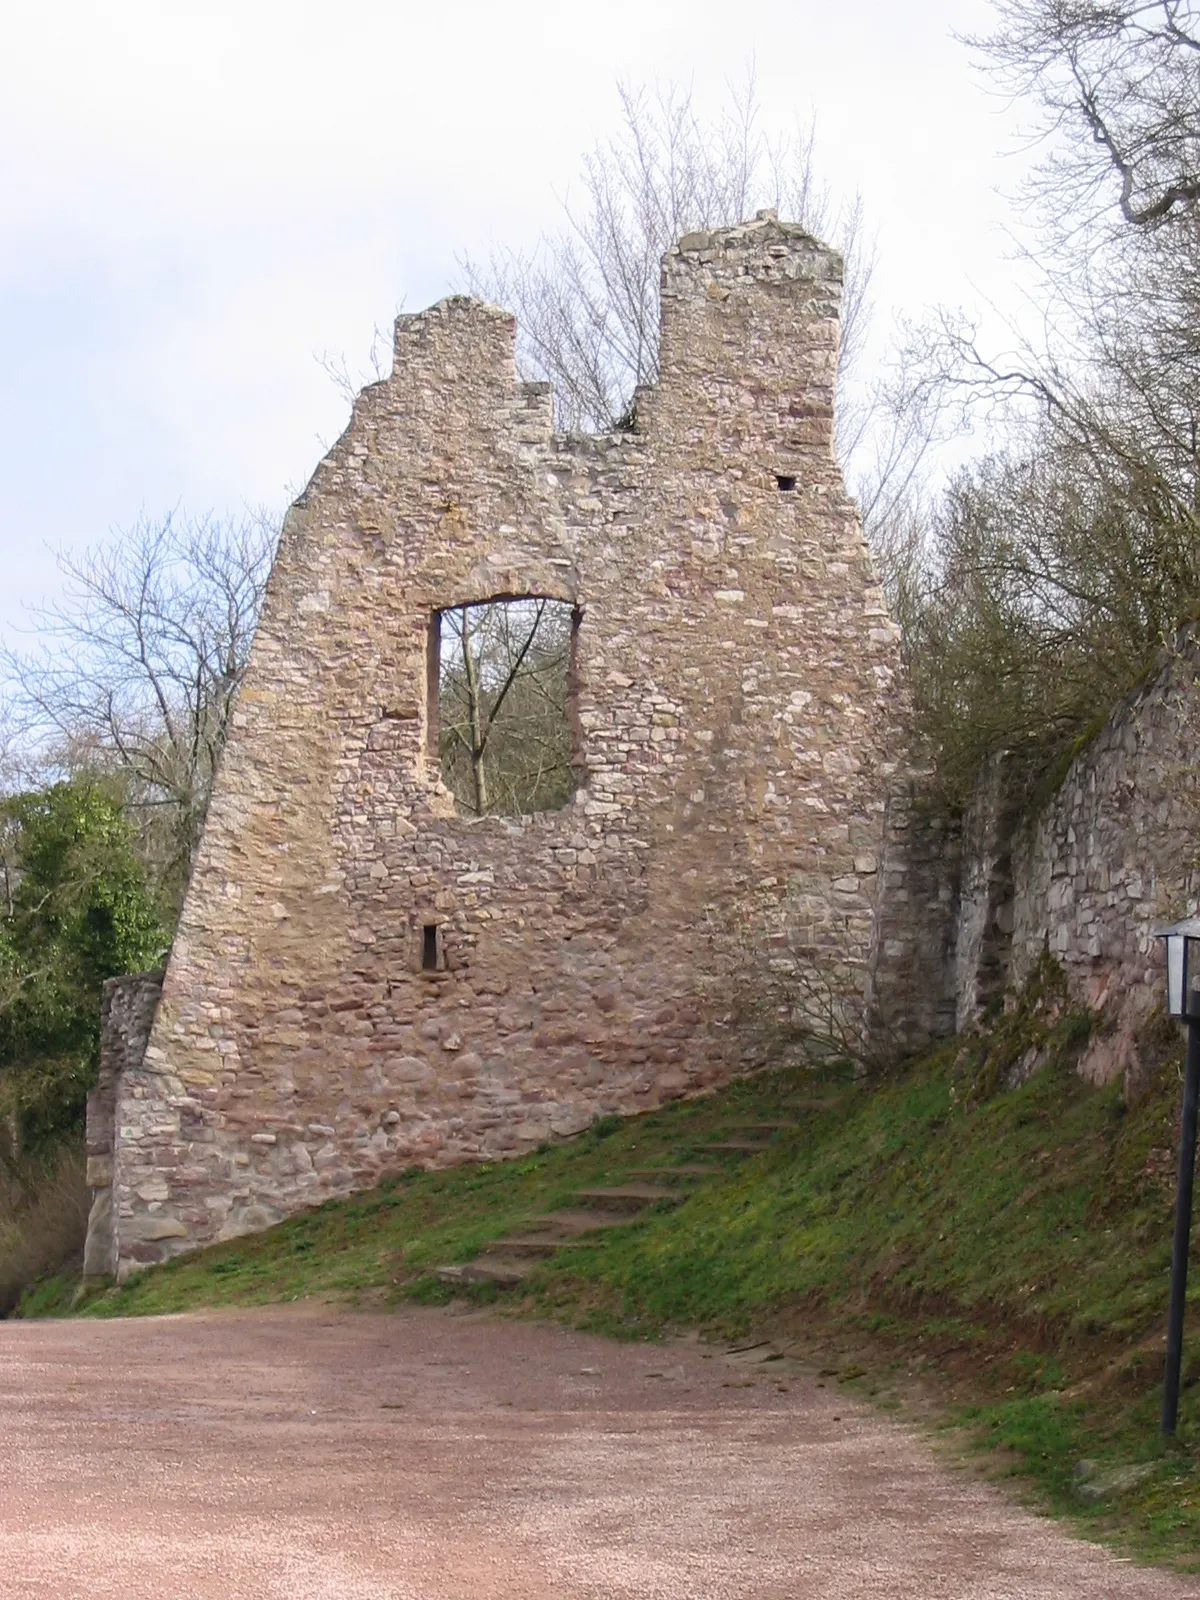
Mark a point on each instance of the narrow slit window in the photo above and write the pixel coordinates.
(502, 704)
(429, 948)
(786, 482)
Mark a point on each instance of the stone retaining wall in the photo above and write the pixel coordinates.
(1094, 869)
(1113, 856)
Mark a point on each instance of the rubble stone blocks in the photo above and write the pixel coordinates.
(1091, 871)
(127, 1010)
(737, 711)
(1113, 856)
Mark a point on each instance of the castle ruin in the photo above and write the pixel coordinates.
(364, 978)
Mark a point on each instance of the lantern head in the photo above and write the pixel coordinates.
(1183, 964)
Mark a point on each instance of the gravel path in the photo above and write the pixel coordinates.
(311, 1453)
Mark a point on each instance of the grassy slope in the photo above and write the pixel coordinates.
(1013, 1245)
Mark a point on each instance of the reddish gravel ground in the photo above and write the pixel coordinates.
(313, 1453)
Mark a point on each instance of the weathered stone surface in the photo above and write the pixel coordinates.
(744, 821)
(983, 932)
(911, 974)
(126, 1015)
(738, 801)
(1102, 863)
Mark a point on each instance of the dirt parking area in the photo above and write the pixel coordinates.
(306, 1452)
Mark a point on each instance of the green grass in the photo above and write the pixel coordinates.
(1006, 1249)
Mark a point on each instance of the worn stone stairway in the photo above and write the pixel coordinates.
(506, 1263)
(749, 1140)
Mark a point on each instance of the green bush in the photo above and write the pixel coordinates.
(43, 1223)
(77, 911)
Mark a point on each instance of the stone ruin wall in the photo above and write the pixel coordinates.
(737, 710)
(742, 819)
(1097, 867)
(127, 1010)
(913, 999)
(983, 918)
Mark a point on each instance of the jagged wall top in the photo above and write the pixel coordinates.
(724, 322)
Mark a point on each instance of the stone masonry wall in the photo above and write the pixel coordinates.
(1114, 855)
(984, 926)
(1098, 867)
(127, 1010)
(737, 711)
(911, 994)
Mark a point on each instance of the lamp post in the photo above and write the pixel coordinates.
(1183, 1002)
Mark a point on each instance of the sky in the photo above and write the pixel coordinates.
(198, 200)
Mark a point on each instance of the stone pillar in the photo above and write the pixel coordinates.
(983, 938)
(910, 1000)
(127, 1011)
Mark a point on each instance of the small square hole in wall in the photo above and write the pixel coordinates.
(785, 481)
(431, 948)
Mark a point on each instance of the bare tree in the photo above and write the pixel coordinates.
(138, 664)
(1054, 568)
(1113, 201)
(1048, 582)
(587, 301)
(336, 367)
(504, 732)
(12, 755)
(1118, 87)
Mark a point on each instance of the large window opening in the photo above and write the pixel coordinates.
(501, 687)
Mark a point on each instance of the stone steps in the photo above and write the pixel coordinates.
(593, 1211)
(740, 1147)
(686, 1170)
(504, 1274)
(531, 1246)
(507, 1262)
(627, 1197)
(573, 1221)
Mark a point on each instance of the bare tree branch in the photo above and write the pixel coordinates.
(139, 663)
(504, 728)
(1119, 97)
(587, 301)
